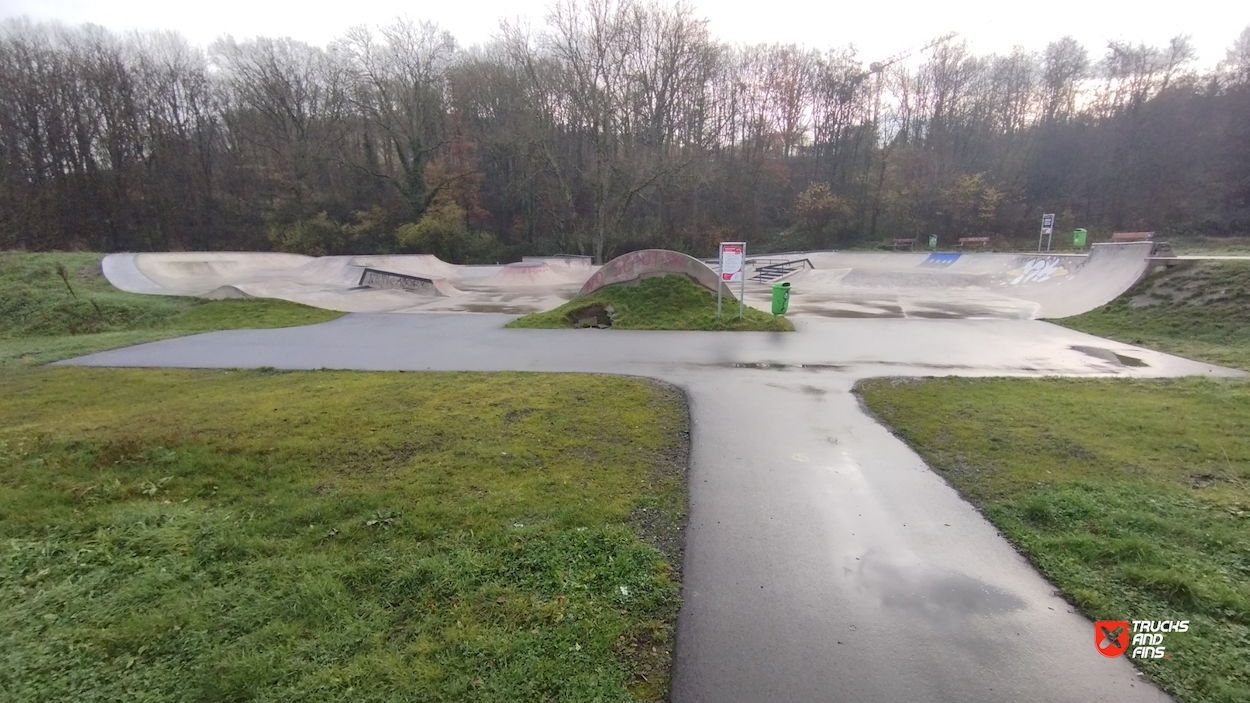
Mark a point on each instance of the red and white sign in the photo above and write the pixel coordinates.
(731, 261)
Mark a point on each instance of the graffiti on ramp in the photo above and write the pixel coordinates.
(1041, 269)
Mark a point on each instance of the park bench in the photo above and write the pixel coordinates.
(1132, 236)
(910, 243)
(979, 241)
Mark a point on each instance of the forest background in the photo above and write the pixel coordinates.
(615, 125)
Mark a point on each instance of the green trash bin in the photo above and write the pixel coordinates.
(932, 242)
(1078, 238)
(781, 297)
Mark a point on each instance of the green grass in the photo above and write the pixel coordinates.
(1196, 309)
(1133, 497)
(1210, 246)
(45, 316)
(337, 536)
(661, 303)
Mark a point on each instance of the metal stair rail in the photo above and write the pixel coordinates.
(764, 274)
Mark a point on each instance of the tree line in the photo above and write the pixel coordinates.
(615, 125)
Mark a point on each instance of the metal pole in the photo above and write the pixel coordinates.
(1040, 233)
(742, 280)
(720, 267)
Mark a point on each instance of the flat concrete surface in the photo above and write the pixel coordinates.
(824, 560)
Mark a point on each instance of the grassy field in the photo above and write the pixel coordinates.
(1195, 309)
(191, 535)
(1210, 246)
(662, 303)
(59, 305)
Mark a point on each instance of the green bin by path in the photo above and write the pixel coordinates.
(1078, 238)
(932, 242)
(781, 297)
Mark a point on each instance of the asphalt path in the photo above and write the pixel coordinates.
(824, 560)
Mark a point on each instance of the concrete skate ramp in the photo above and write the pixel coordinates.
(567, 261)
(957, 285)
(853, 284)
(529, 273)
(339, 282)
(377, 278)
(637, 265)
(121, 271)
(422, 265)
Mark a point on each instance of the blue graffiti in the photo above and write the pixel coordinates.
(942, 260)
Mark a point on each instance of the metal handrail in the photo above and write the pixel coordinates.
(783, 267)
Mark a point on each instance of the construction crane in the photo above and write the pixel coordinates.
(878, 68)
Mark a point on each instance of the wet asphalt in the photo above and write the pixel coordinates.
(824, 560)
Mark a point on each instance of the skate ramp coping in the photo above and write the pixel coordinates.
(629, 269)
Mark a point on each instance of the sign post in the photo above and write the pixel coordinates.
(1048, 231)
(732, 258)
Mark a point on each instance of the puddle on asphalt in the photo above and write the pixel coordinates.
(1110, 356)
(848, 314)
(937, 315)
(771, 366)
(913, 364)
(933, 593)
(500, 308)
(781, 367)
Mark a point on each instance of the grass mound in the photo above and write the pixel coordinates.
(337, 536)
(661, 303)
(54, 306)
(1133, 497)
(1195, 309)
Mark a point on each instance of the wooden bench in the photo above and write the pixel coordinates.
(981, 241)
(905, 242)
(1132, 236)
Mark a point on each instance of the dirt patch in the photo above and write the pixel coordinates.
(515, 415)
(597, 316)
(1200, 480)
(92, 272)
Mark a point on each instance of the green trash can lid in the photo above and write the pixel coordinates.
(783, 284)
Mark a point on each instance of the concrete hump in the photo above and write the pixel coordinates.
(629, 269)
(225, 293)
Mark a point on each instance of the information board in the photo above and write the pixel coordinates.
(731, 261)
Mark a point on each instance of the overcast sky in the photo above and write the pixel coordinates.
(877, 29)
